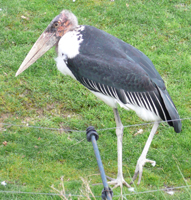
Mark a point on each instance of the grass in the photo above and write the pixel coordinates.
(34, 159)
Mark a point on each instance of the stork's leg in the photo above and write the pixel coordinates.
(142, 159)
(119, 132)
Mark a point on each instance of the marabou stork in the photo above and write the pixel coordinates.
(114, 71)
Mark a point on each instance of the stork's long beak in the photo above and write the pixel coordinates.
(46, 41)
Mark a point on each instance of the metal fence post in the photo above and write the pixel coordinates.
(92, 136)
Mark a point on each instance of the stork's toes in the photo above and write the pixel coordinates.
(139, 168)
(118, 182)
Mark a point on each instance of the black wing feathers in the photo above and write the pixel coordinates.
(149, 100)
(112, 67)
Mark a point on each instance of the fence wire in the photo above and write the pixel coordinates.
(76, 195)
(83, 131)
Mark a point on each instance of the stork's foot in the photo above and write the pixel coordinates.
(118, 182)
(139, 168)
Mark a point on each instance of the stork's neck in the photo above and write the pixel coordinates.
(69, 44)
(76, 32)
(68, 47)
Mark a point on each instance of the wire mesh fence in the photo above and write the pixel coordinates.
(83, 131)
(169, 190)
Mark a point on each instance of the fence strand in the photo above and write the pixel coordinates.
(83, 131)
(79, 195)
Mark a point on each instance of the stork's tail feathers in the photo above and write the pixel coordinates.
(174, 119)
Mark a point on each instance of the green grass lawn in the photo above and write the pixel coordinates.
(34, 159)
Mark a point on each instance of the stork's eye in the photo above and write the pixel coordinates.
(56, 24)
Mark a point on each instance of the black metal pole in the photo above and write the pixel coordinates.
(93, 136)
